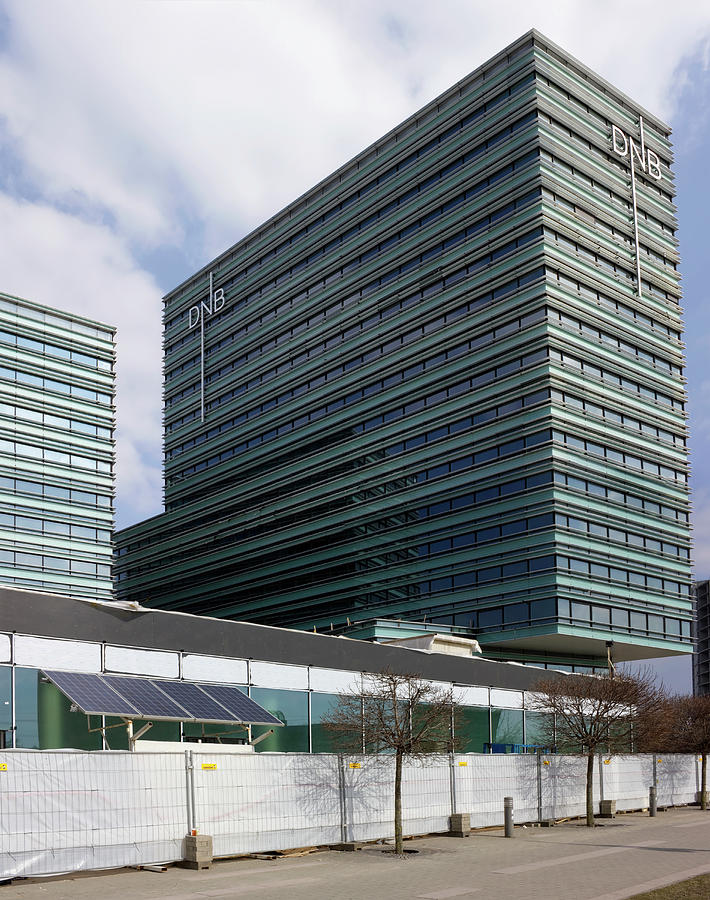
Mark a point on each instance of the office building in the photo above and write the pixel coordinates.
(443, 386)
(701, 650)
(56, 450)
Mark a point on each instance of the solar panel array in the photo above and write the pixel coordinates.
(146, 698)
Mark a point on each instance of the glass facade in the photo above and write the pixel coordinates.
(56, 450)
(446, 385)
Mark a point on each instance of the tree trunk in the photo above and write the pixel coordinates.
(703, 780)
(398, 802)
(590, 790)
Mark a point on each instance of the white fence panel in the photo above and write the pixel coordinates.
(369, 797)
(627, 779)
(64, 811)
(483, 780)
(678, 779)
(267, 801)
(564, 780)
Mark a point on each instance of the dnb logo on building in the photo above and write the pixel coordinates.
(206, 308)
(625, 146)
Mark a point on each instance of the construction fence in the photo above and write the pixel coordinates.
(63, 811)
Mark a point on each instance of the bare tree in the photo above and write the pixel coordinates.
(687, 730)
(400, 714)
(594, 715)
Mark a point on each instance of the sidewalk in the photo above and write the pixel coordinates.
(626, 856)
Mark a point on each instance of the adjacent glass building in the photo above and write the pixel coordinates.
(56, 450)
(445, 385)
(701, 654)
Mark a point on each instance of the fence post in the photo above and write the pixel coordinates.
(652, 801)
(452, 783)
(343, 804)
(539, 785)
(192, 790)
(601, 779)
(188, 791)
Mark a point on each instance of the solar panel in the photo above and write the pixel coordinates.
(145, 696)
(192, 697)
(91, 694)
(243, 708)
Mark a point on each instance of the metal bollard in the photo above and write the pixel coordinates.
(508, 816)
(652, 801)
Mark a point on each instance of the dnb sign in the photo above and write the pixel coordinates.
(625, 146)
(206, 308)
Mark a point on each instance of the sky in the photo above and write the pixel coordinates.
(138, 140)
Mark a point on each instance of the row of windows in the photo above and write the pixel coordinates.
(375, 320)
(54, 492)
(597, 374)
(590, 331)
(611, 415)
(595, 529)
(614, 269)
(491, 533)
(376, 183)
(482, 224)
(409, 409)
(494, 492)
(626, 576)
(50, 384)
(464, 580)
(53, 563)
(615, 306)
(40, 315)
(601, 190)
(385, 349)
(440, 396)
(628, 620)
(52, 527)
(617, 235)
(403, 303)
(535, 612)
(623, 497)
(52, 421)
(647, 466)
(47, 349)
(382, 384)
(517, 445)
(58, 457)
(581, 179)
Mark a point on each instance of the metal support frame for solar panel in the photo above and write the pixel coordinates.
(157, 699)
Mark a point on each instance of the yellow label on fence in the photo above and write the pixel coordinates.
(209, 765)
(546, 762)
(3, 767)
(355, 766)
(606, 762)
(660, 759)
(463, 763)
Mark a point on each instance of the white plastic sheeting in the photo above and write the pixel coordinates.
(64, 811)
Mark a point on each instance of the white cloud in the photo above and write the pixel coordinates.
(53, 258)
(229, 110)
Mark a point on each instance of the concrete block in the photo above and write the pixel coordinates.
(699, 797)
(460, 825)
(197, 851)
(607, 809)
